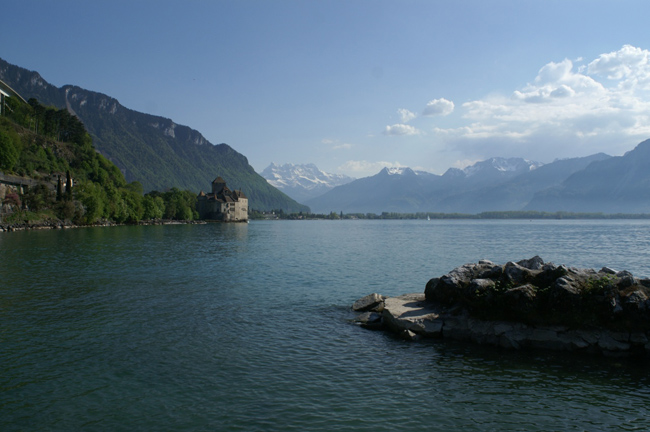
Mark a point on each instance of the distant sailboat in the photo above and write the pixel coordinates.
(428, 218)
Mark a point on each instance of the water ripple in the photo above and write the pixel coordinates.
(233, 327)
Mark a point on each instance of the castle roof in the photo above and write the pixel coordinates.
(223, 193)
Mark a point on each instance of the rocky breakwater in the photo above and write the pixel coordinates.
(524, 304)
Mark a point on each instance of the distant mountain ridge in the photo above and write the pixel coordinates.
(619, 184)
(151, 149)
(302, 182)
(496, 184)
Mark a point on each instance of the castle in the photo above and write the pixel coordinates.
(222, 204)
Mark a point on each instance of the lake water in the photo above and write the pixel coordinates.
(245, 327)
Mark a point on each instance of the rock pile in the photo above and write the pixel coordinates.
(521, 304)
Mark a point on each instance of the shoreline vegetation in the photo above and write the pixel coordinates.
(278, 214)
(23, 220)
(52, 175)
(57, 224)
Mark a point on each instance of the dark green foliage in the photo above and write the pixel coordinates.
(150, 149)
(39, 198)
(95, 188)
(68, 186)
(173, 204)
(154, 207)
(10, 146)
(59, 189)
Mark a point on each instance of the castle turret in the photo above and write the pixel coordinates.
(217, 185)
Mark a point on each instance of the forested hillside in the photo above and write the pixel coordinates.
(50, 149)
(150, 149)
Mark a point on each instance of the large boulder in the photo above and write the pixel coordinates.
(527, 303)
(535, 292)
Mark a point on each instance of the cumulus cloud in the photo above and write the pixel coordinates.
(563, 109)
(405, 115)
(438, 107)
(401, 129)
(629, 64)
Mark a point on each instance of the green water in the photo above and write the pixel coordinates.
(246, 327)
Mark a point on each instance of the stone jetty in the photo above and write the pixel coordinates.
(524, 304)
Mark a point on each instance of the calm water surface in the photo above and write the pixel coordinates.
(246, 328)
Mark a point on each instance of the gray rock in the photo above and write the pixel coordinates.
(638, 338)
(478, 287)
(521, 299)
(457, 328)
(412, 312)
(370, 320)
(534, 263)
(516, 274)
(371, 302)
(608, 343)
(409, 335)
(531, 304)
(636, 299)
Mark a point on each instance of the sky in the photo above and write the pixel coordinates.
(357, 85)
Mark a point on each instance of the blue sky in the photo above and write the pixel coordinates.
(356, 85)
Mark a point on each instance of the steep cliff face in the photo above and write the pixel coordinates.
(151, 149)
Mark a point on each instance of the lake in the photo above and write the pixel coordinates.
(246, 327)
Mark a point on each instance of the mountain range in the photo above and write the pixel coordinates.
(619, 184)
(152, 150)
(161, 154)
(596, 183)
(302, 182)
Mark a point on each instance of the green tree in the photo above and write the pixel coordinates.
(39, 198)
(154, 207)
(9, 149)
(93, 198)
(133, 202)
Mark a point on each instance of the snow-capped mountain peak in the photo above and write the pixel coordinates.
(398, 170)
(302, 182)
(502, 165)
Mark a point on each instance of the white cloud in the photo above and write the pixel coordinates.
(335, 144)
(363, 168)
(565, 111)
(464, 163)
(438, 107)
(401, 129)
(629, 65)
(405, 115)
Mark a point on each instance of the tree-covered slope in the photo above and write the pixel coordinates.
(150, 149)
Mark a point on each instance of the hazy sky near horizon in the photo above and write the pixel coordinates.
(357, 85)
